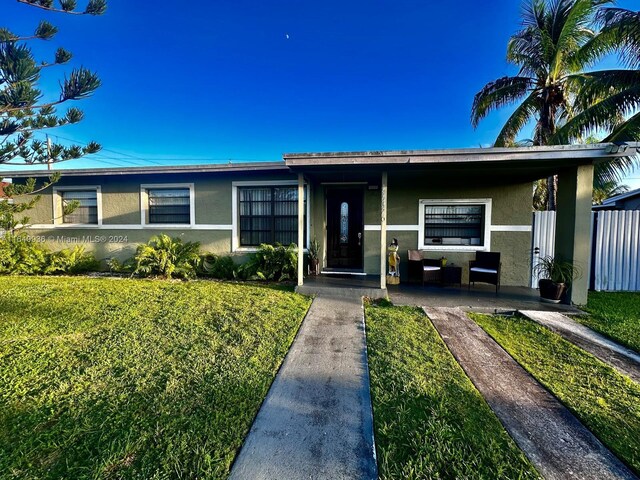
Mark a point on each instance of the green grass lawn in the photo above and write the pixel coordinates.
(615, 314)
(104, 378)
(605, 401)
(430, 421)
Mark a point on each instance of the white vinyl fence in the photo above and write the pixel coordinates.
(615, 248)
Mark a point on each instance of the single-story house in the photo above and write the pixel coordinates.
(448, 203)
(625, 201)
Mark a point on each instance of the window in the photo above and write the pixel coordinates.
(268, 215)
(169, 205)
(455, 224)
(86, 210)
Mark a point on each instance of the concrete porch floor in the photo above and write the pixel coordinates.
(480, 297)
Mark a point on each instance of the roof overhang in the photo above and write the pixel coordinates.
(278, 166)
(518, 164)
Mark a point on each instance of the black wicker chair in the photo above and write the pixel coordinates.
(423, 269)
(485, 269)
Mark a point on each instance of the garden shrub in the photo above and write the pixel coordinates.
(167, 257)
(220, 267)
(20, 255)
(271, 263)
(71, 261)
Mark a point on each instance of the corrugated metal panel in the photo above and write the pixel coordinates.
(544, 235)
(615, 248)
(616, 251)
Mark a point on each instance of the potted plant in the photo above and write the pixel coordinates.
(314, 246)
(555, 276)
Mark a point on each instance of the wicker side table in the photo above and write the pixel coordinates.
(452, 274)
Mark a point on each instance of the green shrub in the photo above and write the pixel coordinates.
(221, 267)
(271, 263)
(71, 261)
(167, 257)
(20, 255)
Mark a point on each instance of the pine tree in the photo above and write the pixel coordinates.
(23, 110)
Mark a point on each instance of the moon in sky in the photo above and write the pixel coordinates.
(287, 35)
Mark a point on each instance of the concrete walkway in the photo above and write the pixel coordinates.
(557, 444)
(624, 360)
(316, 421)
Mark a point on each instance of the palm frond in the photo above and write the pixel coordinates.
(627, 131)
(499, 93)
(602, 115)
(595, 86)
(613, 170)
(622, 26)
(525, 111)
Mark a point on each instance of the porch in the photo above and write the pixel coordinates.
(481, 298)
(362, 199)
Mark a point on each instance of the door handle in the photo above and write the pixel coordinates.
(359, 238)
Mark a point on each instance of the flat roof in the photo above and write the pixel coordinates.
(535, 159)
(205, 168)
(601, 151)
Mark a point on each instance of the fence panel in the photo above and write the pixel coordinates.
(615, 251)
(544, 237)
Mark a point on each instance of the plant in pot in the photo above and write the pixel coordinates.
(555, 277)
(314, 262)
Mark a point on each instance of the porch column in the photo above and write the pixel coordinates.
(573, 225)
(383, 232)
(300, 229)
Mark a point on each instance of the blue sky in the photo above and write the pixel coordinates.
(250, 80)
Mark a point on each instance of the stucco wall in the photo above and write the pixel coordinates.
(121, 211)
(511, 206)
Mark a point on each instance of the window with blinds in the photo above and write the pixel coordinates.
(169, 205)
(454, 224)
(268, 215)
(86, 211)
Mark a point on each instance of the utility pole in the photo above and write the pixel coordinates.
(49, 162)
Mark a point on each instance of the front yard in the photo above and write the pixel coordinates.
(605, 402)
(104, 378)
(430, 421)
(616, 314)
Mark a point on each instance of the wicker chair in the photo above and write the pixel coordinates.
(485, 268)
(423, 269)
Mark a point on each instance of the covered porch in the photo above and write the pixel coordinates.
(477, 175)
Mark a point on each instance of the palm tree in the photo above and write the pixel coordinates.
(553, 49)
(609, 100)
(608, 190)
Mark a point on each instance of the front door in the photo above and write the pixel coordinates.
(345, 228)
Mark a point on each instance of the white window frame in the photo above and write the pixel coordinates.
(487, 202)
(144, 205)
(58, 209)
(235, 213)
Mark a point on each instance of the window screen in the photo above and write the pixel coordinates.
(169, 205)
(87, 210)
(268, 215)
(454, 225)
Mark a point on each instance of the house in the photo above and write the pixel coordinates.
(448, 203)
(624, 201)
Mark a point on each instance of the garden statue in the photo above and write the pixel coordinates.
(393, 277)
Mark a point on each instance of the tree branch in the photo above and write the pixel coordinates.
(51, 9)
